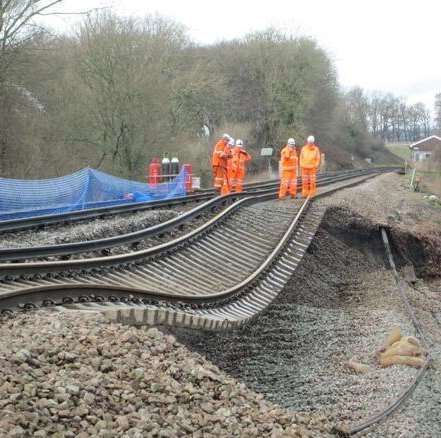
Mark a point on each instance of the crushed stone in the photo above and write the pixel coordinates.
(74, 375)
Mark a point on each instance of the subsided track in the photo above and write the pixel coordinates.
(220, 276)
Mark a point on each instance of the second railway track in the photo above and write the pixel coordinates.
(144, 237)
(37, 221)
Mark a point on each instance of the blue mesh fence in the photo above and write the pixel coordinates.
(87, 188)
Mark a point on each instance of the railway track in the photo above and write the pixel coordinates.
(143, 238)
(217, 276)
(38, 221)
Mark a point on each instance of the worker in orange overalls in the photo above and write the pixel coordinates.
(289, 163)
(219, 162)
(228, 155)
(226, 187)
(239, 159)
(309, 164)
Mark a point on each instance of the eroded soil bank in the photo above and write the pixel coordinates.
(341, 303)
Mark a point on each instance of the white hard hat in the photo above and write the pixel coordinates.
(226, 136)
(311, 139)
(239, 142)
(291, 142)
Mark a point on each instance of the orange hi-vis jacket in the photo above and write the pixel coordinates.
(288, 158)
(240, 157)
(227, 156)
(221, 149)
(310, 157)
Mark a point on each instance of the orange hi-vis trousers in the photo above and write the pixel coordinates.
(237, 178)
(225, 187)
(309, 182)
(226, 181)
(219, 176)
(221, 180)
(288, 182)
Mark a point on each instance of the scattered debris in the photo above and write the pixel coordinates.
(356, 366)
(401, 350)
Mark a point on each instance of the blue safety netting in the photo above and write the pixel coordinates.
(87, 188)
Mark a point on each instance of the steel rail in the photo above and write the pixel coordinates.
(234, 306)
(226, 313)
(63, 249)
(98, 212)
(96, 288)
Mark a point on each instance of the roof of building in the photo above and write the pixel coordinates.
(428, 141)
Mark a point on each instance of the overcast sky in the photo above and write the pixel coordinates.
(386, 45)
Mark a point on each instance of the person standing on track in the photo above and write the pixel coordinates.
(226, 186)
(238, 166)
(309, 164)
(219, 162)
(289, 163)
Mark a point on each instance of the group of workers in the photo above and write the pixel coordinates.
(229, 164)
(230, 158)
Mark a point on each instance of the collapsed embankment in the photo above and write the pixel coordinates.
(411, 247)
(341, 303)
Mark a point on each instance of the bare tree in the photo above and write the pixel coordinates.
(17, 25)
(17, 28)
(127, 68)
(392, 119)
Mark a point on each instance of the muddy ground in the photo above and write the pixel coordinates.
(341, 303)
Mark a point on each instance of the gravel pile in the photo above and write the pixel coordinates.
(73, 375)
(93, 229)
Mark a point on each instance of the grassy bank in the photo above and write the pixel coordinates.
(401, 150)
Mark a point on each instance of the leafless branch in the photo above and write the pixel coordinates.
(22, 19)
(88, 12)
